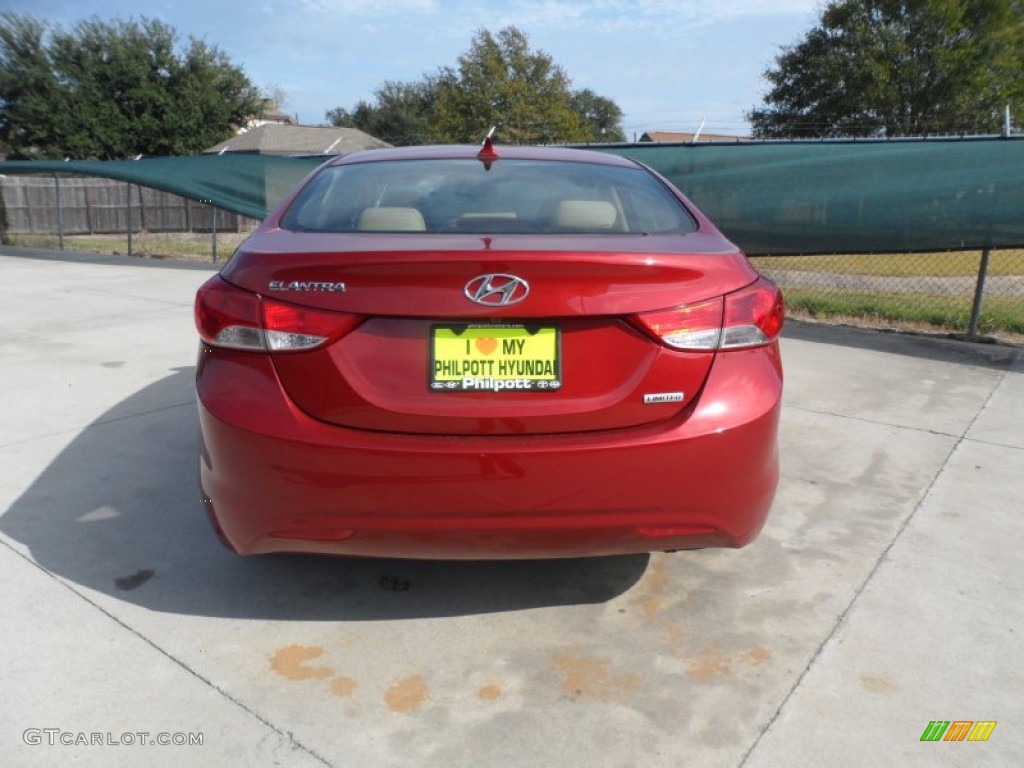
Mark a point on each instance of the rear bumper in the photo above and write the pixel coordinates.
(277, 480)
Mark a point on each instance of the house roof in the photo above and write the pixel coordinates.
(275, 139)
(274, 116)
(269, 113)
(672, 136)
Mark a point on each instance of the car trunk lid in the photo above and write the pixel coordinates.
(575, 359)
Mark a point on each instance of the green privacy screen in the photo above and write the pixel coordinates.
(853, 197)
(245, 184)
(769, 198)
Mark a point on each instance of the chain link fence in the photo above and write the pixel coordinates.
(112, 217)
(210, 247)
(973, 293)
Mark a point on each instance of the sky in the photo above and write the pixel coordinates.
(669, 64)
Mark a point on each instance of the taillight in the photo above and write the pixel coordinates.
(289, 327)
(748, 317)
(227, 316)
(753, 315)
(694, 326)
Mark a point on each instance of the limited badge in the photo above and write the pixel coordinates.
(664, 397)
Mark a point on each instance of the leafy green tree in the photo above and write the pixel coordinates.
(114, 90)
(29, 89)
(401, 114)
(602, 116)
(501, 82)
(498, 82)
(898, 68)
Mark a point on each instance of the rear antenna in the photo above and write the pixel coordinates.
(696, 136)
(488, 154)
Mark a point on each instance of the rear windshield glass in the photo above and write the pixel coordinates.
(462, 195)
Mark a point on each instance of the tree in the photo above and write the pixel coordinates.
(499, 82)
(114, 90)
(276, 94)
(401, 115)
(602, 116)
(28, 84)
(898, 68)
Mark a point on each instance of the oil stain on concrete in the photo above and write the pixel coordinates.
(489, 692)
(590, 677)
(407, 695)
(343, 686)
(135, 580)
(713, 663)
(290, 662)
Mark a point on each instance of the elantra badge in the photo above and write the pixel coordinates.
(497, 290)
(305, 285)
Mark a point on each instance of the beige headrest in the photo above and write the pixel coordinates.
(391, 220)
(585, 214)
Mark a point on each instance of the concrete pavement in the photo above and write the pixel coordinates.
(882, 595)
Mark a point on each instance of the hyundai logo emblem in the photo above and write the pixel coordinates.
(497, 290)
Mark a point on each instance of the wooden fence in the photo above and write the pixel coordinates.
(76, 205)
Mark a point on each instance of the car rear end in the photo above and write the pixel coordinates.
(432, 354)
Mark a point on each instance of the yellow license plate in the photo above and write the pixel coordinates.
(495, 358)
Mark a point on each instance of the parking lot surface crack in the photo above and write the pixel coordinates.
(286, 735)
(841, 620)
(877, 422)
(99, 423)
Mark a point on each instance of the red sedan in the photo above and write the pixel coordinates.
(456, 352)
